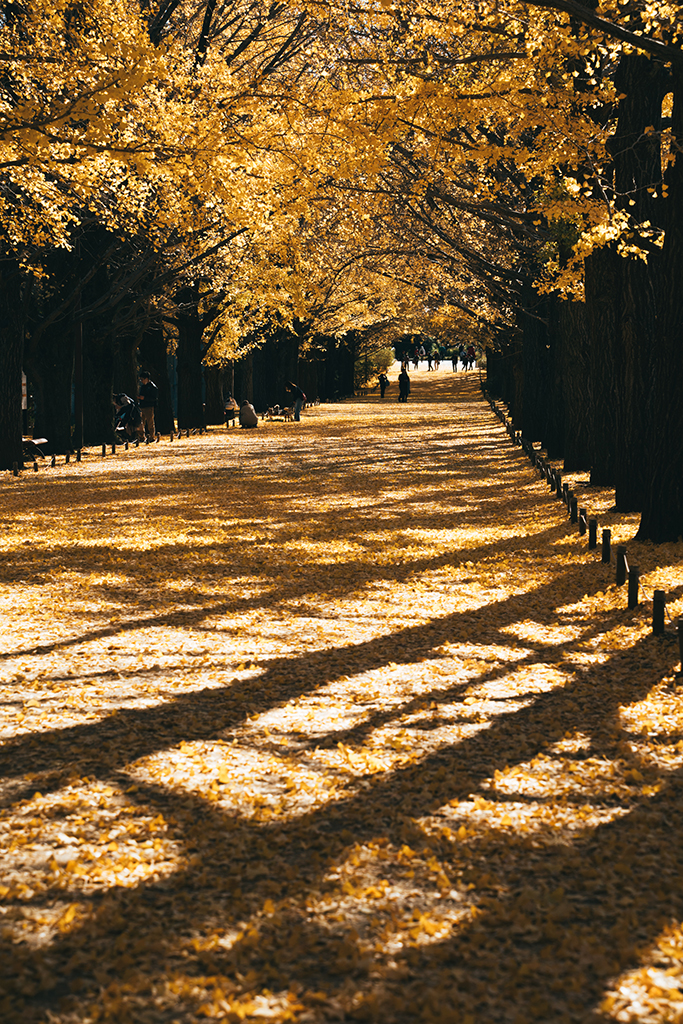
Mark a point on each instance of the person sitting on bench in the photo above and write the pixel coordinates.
(231, 409)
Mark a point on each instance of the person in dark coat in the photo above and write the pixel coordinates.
(383, 384)
(403, 386)
(148, 400)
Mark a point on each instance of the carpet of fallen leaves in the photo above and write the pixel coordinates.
(334, 721)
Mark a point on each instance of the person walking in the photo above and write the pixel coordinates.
(299, 398)
(147, 399)
(403, 386)
(383, 384)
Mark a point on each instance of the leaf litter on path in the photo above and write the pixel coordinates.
(333, 721)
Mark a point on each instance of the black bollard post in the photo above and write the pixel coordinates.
(187, 432)
(633, 584)
(170, 437)
(53, 460)
(78, 455)
(583, 519)
(607, 546)
(113, 448)
(126, 446)
(35, 466)
(658, 605)
(158, 438)
(137, 442)
(67, 457)
(573, 508)
(565, 494)
(104, 450)
(621, 564)
(592, 534)
(15, 469)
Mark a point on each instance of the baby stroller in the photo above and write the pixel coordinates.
(128, 418)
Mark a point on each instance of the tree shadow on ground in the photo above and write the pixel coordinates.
(543, 919)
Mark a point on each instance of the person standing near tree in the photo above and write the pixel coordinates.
(299, 398)
(148, 400)
(383, 384)
(403, 386)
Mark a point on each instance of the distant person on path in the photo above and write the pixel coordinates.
(416, 359)
(454, 359)
(429, 360)
(471, 356)
(383, 383)
(299, 398)
(148, 400)
(231, 409)
(403, 386)
(248, 417)
(461, 356)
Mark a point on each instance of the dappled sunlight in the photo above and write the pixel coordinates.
(336, 720)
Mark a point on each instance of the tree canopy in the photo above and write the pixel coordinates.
(373, 165)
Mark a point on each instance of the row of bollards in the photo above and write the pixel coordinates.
(136, 443)
(561, 489)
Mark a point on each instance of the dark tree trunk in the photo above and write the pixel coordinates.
(575, 347)
(50, 360)
(553, 437)
(637, 332)
(662, 516)
(602, 287)
(312, 371)
(189, 356)
(536, 368)
(244, 378)
(98, 375)
(637, 164)
(153, 356)
(125, 366)
(214, 394)
(11, 356)
(264, 376)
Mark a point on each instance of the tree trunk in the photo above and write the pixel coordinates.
(98, 375)
(264, 376)
(536, 367)
(662, 516)
(214, 394)
(189, 355)
(575, 345)
(244, 378)
(153, 355)
(51, 361)
(602, 287)
(637, 163)
(11, 357)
